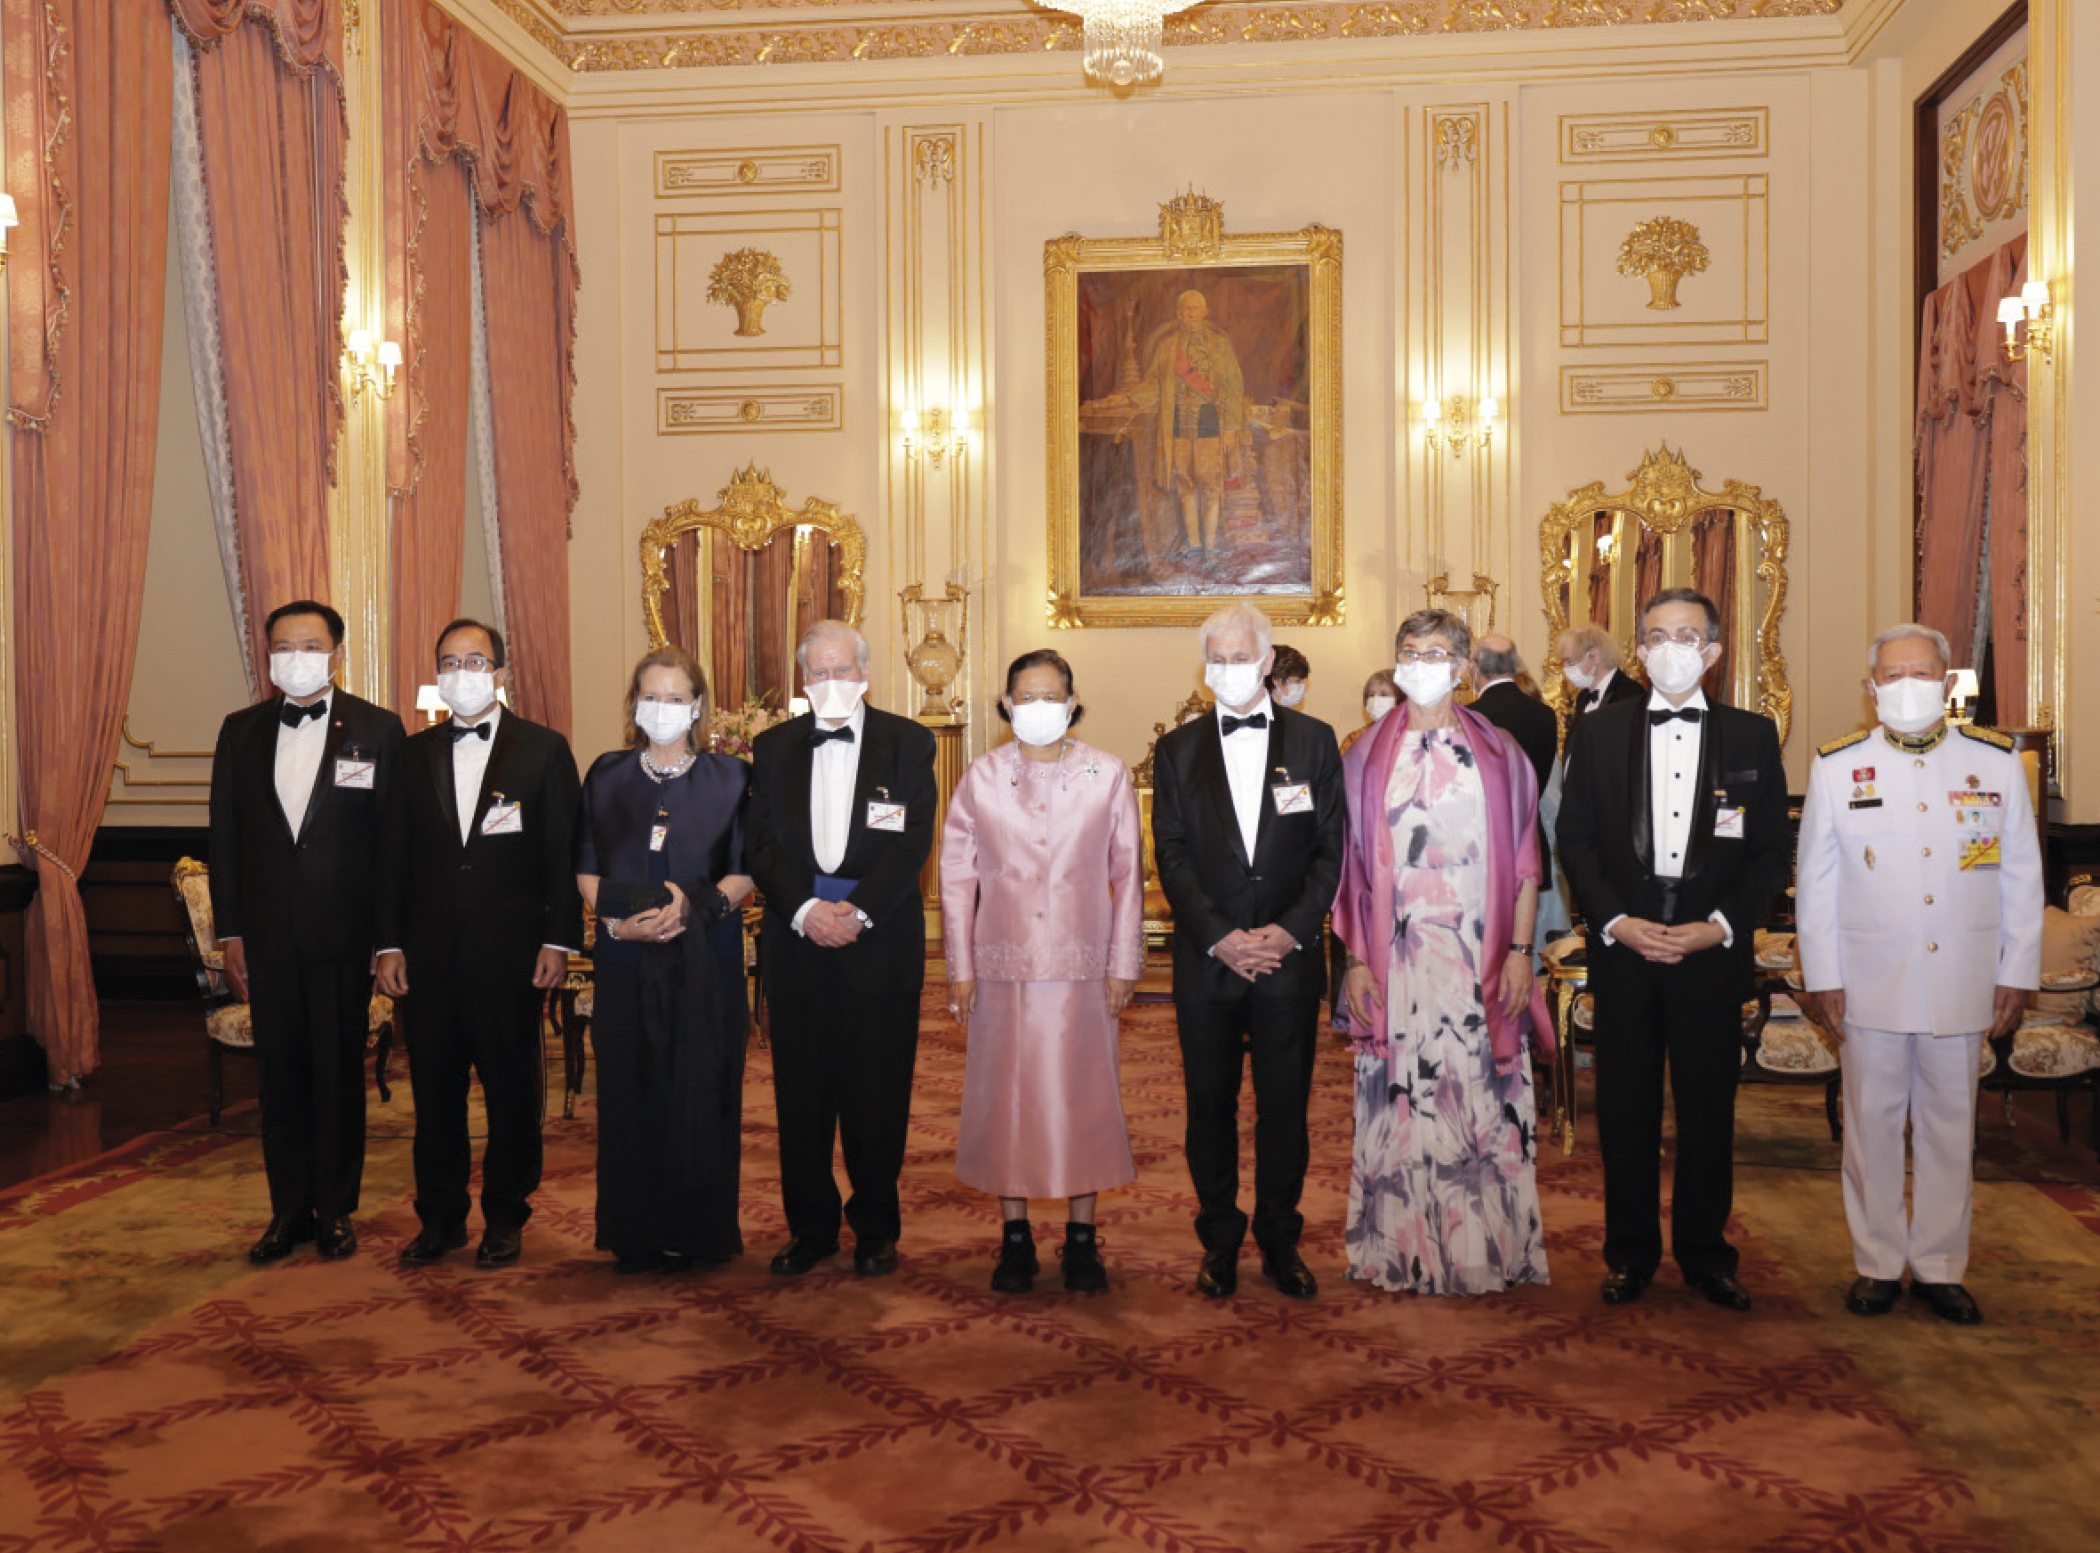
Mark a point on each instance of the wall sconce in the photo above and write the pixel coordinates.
(936, 433)
(364, 367)
(8, 218)
(1607, 549)
(2032, 308)
(429, 702)
(1464, 425)
(1960, 693)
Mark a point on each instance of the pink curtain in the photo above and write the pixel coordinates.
(772, 607)
(1713, 574)
(732, 658)
(681, 605)
(2002, 398)
(275, 131)
(89, 95)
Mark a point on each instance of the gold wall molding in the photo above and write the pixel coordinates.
(757, 170)
(1665, 136)
(1731, 306)
(1984, 158)
(691, 337)
(748, 281)
(192, 790)
(1645, 388)
(685, 412)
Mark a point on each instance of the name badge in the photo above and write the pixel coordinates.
(355, 771)
(1293, 797)
(1728, 825)
(504, 819)
(886, 816)
(657, 836)
(1865, 803)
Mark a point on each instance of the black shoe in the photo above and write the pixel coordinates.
(874, 1257)
(1081, 1254)
(1622, 1286)
(1220, 1274)
(1018, 1266)
(334, 1238)
(1723, 1290)
(431, 1244)
(1949, 1301)
(277, 1241)
(798, 1256)
(1287, 1270)
(500, 1247)
(1873, 1296)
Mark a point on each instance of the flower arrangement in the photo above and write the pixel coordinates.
(732, 733)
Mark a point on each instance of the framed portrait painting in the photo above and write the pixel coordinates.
(1194, 423)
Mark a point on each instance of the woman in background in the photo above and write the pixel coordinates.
(1042, 902)
(1287, 677)
(1381, 695)
(663, 819)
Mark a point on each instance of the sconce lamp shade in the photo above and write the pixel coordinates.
(1964, 687)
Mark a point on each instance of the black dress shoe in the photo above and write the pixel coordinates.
(500, 1247)
(1287, 1270)
(1622, 1286)
(798, 1256)
(334, 1238)
(1219, 1275)
(1949, 1301)
(1723, 1290)
(284, 1233)
(1873, 1296)
(874, 1257)
(431, 1244)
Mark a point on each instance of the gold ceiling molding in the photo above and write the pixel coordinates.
(784, 32)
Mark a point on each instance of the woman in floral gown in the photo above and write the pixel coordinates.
(1438, 897)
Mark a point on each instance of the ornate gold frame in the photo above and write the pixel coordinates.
(751, 512)
(1192, 237)
(1666, 496)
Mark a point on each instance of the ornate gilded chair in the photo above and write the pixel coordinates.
(228, 1023)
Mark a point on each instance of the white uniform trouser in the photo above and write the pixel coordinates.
(1931, 1081)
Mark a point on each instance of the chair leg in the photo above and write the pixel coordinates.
(218, 1080)
(380, 1058)
(1834, 1111)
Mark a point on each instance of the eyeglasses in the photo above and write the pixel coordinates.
(1438, 657)
(473, 665)
(1687, 636)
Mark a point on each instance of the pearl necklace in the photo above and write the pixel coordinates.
(662, 774)
(1022, 762)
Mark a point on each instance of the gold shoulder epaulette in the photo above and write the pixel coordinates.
(1844, 743)
(1984, 735)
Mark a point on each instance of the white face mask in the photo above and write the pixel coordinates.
(1234, 684)
(665, 722)
(1041, 722)
(834, 699)
(300, 674)
(1290, 694)
(1910, 705)
(1577, 676)
(1674, 668)
(1376, 707)
(467, 693)
(1425, 684)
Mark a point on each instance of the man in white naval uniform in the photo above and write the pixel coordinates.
(1919, 909)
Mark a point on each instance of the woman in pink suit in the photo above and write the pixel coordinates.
(1439, 892)
(1042, 897)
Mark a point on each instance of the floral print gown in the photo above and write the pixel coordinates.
(1443, 1197)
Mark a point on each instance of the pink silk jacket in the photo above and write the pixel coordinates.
(1041, 879)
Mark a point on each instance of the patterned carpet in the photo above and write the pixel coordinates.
(158, 1393)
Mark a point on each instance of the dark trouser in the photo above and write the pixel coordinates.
(310, 1023)
(842, 1067)
(1279, 1034)
(1689, 1015)
(494, 1031)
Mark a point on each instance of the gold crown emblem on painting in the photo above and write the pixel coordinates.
(1192, 226)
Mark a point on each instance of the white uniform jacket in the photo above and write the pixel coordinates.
(1919, 880)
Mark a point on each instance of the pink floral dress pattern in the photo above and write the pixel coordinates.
(1443, 1194)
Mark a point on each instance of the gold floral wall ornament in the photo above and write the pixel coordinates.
(1665, 250)
(749, 280)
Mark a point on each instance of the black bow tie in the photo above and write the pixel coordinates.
(293, 714)
(462, 730)
(1231, 725)
(1657, 716)
(842, 733)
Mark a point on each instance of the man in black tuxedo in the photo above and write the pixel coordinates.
(841, 823)
(1523, 717)
(1674, 834)
(479, 920)
(1247, 827)
(1589, 661)
(299, 789)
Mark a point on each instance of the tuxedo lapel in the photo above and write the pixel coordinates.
(331, 751)
(495, 776)
(1705, 803)
(440, 745)
(1277, 761)
(263, 764)
(1208, 773)
(795, 782)
(870, 772)
(1637, 783)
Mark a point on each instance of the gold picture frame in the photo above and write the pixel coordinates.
(1142, 533)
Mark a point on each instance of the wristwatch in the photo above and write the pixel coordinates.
(1520, 949)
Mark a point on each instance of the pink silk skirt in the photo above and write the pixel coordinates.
(1042, 1108)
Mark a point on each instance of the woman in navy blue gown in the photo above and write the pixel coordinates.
(670, 1020)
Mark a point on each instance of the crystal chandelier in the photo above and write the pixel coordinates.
(1123, 38)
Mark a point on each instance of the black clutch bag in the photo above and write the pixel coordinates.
(624, 898)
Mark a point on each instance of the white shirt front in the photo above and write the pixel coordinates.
(1673, 782)
(470, 762)
(1246, 761)
(833, 768)
(299, 753)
